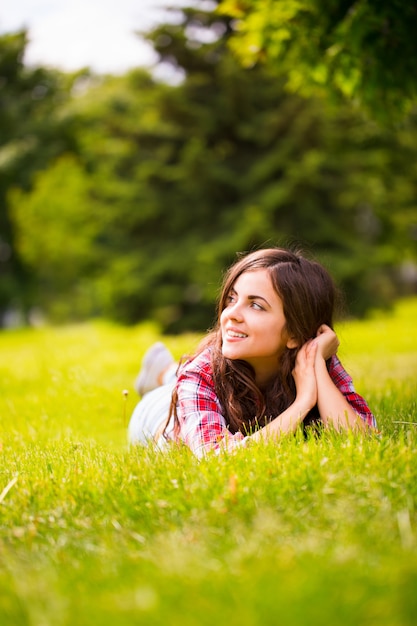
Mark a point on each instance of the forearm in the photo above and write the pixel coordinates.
(286, 422)
(306, 396)
(333, 407)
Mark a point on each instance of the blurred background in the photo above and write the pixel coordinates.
(141, 147)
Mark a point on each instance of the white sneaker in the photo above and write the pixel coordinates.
(154, 362)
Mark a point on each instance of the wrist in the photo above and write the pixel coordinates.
(302, 406)
(320, 362)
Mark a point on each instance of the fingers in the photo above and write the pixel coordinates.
(324, 329)
(307, 354)
(327, 340)
(304, 372)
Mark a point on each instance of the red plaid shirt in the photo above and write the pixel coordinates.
(203, 426)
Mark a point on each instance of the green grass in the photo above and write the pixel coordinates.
(301, 533)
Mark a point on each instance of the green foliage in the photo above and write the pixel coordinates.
(364, 51)
(305, 531)
(143, 192)
(33, 131)
(56, 228)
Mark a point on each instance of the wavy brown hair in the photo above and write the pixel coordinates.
(308, 295)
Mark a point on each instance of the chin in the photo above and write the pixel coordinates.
(232, 354)
(228, 354)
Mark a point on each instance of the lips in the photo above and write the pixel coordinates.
(234, 334)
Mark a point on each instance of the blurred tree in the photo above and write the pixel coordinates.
(364, 51)
(170, 181)
(237, 163)
(32, 132)
(57, 229)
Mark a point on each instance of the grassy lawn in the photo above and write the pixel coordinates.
(301, 533)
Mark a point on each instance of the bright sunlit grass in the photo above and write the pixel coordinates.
(69, 381)
(322, 531)
(384, 348)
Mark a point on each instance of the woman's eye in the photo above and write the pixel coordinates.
(257, 306)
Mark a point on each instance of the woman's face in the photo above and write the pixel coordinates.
(253, 324)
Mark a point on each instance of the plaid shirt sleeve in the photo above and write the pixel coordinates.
(203, 427)
(344, 383)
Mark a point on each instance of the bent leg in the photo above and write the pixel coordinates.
(150, 415)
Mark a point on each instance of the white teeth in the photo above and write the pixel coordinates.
(231, 333)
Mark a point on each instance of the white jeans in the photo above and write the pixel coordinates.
(150, 415)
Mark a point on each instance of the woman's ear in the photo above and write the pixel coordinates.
(292, 343)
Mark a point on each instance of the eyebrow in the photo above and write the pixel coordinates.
(250, 297)
(259, 298)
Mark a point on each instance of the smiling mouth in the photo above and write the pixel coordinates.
(235, 335)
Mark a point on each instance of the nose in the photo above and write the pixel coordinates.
(234, 311)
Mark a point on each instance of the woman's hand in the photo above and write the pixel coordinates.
(334, 408)
(304, 374)
(327, 342)
(306, 395)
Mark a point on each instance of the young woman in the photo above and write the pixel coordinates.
(268, 366)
